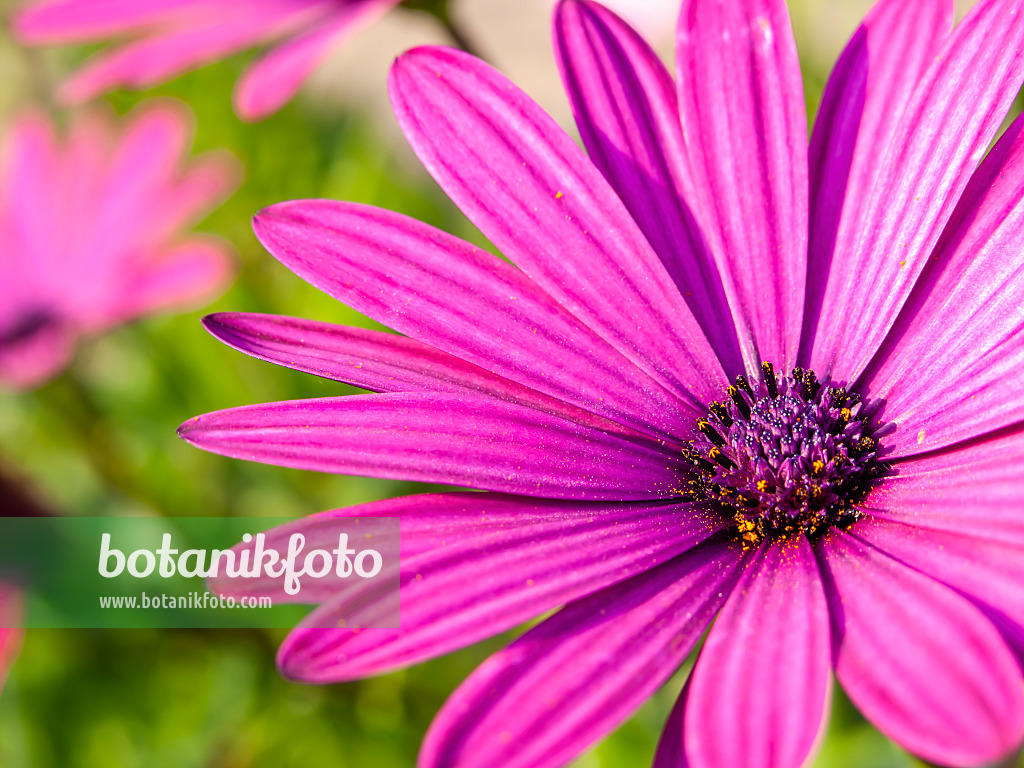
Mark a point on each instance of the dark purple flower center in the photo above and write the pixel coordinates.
(24, 326)
(786, 455)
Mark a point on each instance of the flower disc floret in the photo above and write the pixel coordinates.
(787, 454)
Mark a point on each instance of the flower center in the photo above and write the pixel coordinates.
(24, 326)
(787, 455)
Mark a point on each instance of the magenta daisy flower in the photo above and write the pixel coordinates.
(90, 232)
(730, 378)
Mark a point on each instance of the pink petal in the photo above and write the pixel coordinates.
(193, 273)
(536, 196)
(867, 94)
(28, 363)
(974, 489)
(760, 691)
(427, 437)
(74, 21)
(146, 62)
(474, 565)
(953, 366)
(988, 571)
(569, 681)
(270, 82)
(743, 114)
(670, 752)
(208, 180)
(921, 662)
(144, 161)
(379, 362)
(462, 300)
(625, 106)
(31, 182)
(946, 129)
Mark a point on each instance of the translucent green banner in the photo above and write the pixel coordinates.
(93, 572)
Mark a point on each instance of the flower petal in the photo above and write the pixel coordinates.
(566, 683)
(171, 51)
(188, 274)
(537, 197)
(922, 663)
(990, 572)
(743, 114)
(670, 752)
(763, 676)
(33, 360)
(973, 489)
(209, 179)
(945, 131)
(31, 180)
(427, 437)
(462, 300)
(76, 21)
(625, 106)
(953, 366)
(474, 565)
(379, 362)
(271, 81)
(866, 95)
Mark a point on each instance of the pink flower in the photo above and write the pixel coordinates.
(645, 464)
(169, 37)
(90, 232)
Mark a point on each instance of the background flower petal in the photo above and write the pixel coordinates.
(150, 60)
(75, 21)
(271, 81)
(190, 273)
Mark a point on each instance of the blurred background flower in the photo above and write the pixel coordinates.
(168, 38)
(89, 231)
(100, 439)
